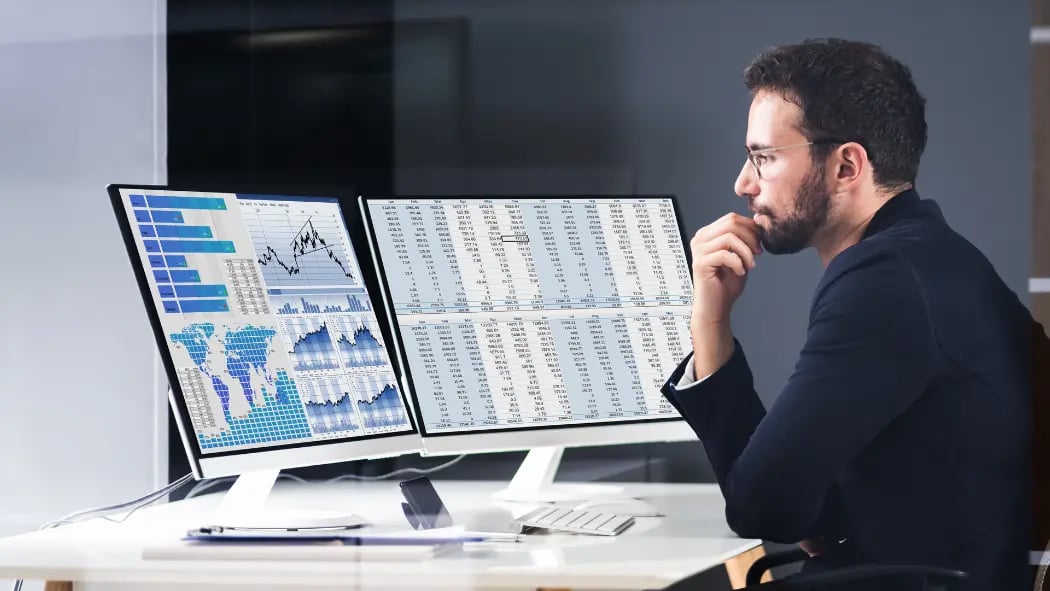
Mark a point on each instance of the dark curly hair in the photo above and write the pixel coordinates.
(850, 92)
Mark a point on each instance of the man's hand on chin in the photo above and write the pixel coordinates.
(723, 254)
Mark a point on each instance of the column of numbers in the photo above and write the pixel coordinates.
(498, 372)
(246, 286)
(557, 294)
(423, 281)
(523, 369)
(598, 341)
(672, 330)
(553, 397)
(520, 281)
(622, 339)
(422, 221)
(647, 354)
(453, 296)
(669, 241)
(574, 232)
(477, 383)
(496, 267)
(608, 288)
(587, 396)
(469, 230)
(429, 385)
(455, 386)
(622, 256)
(653, 276)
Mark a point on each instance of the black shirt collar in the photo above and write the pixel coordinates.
(892, 211)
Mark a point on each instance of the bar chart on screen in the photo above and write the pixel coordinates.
(348, 301)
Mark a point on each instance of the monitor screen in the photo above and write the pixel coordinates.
(265, 324)
(533, 313)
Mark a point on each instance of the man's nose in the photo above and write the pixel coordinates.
(746, 184)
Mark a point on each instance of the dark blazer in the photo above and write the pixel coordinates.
(903, 435)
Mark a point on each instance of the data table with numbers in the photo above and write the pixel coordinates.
(530, 312)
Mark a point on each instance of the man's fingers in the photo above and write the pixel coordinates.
(722, 258)
(746, 229)
(733, 243)
(733, 261)
(743, 227)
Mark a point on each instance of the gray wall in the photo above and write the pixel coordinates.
(81, 106)
(645, 95)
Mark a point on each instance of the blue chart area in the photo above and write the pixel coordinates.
(274, 409)
(379, 402)
(329, 405)
(310, 344)
(357, 342)
(167, 238)
(322, 304)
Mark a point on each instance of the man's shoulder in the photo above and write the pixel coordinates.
(872, 260)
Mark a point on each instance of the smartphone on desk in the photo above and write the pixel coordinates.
(423, 508)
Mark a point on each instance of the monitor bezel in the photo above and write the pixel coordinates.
(672, 428)
(291, 455)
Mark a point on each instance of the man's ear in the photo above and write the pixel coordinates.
(849, 165)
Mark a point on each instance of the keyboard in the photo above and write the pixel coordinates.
(573, 520)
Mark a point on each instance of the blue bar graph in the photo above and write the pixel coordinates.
(165, 202)
(180, 287)
(197, 246)
(185, 276)
(201, 291)
(322, 304)
(183, 231)
(356, 305)
(168, 217)
(190, 306)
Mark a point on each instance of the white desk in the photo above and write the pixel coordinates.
(652, 554)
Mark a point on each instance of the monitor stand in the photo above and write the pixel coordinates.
(244, 505)
(534, 482)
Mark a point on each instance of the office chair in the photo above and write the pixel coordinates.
(933, 578)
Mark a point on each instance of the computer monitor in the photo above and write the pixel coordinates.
(535, 323)
(274, 353)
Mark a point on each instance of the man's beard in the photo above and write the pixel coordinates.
(794, 232)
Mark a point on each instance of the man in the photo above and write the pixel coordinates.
(903, 434)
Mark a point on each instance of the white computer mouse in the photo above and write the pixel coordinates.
(633, 507)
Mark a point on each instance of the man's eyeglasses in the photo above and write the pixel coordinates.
(756, 157)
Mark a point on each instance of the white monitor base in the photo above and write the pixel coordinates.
(244, 505)
(534, 482)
